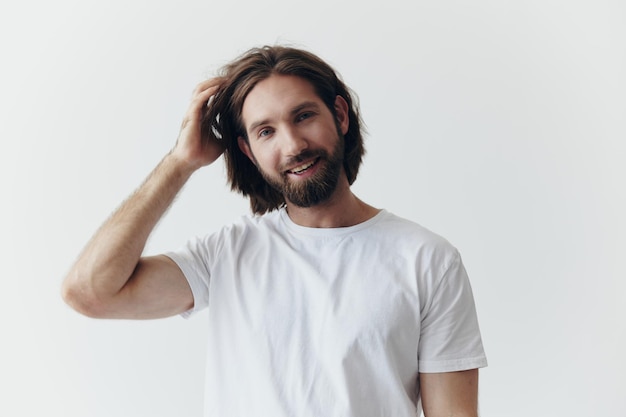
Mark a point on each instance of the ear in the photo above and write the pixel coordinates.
(245, 148)
(341, 111)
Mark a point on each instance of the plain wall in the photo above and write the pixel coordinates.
(498, 124)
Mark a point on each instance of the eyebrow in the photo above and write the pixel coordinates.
(302, 106)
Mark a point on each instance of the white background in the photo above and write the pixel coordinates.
(498, 124)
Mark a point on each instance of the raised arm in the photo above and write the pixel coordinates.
(110, 279)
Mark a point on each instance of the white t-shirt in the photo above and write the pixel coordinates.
(328, 322)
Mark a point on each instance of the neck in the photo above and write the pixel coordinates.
(342, 209)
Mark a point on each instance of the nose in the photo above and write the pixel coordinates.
(294, 143)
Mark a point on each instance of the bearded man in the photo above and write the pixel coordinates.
(319, 304)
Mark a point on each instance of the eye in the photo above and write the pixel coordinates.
(305, 115)
(264, 132)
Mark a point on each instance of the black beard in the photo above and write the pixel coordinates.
(319, 187)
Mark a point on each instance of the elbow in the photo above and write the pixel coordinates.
(82, 299)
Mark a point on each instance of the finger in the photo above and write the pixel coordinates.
(207, 84)
(201, 98)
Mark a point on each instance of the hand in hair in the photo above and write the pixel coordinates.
(191, 147)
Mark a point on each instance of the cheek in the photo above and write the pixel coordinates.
(265, 156)
(321, 134)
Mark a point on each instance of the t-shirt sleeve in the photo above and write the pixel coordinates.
(194, 260)
(450, 337)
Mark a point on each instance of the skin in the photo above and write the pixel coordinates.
(283, 118)
(110, 279)
(450, 394)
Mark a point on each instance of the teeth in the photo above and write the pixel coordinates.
(303, 167)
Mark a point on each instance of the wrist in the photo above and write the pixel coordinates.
(180, 165)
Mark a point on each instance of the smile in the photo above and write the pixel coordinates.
(302, 168)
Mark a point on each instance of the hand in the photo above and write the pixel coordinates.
(191, 148)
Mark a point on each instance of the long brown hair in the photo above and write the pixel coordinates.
(222, 120)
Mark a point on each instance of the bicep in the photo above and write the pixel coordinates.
(450, 393)
(156, 289)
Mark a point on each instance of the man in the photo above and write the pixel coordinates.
(319, 304)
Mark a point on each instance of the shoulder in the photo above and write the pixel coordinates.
(229, 239)
(418, 248)
(251, 223)
(415, 237)
(244, 227)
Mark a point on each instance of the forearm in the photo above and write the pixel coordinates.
(109, 259)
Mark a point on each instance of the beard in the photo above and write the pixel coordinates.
(319, 187)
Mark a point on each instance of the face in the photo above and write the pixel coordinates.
(293, 138)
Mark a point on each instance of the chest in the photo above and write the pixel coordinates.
(329, 294)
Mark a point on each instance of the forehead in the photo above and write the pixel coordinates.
(275, 96)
